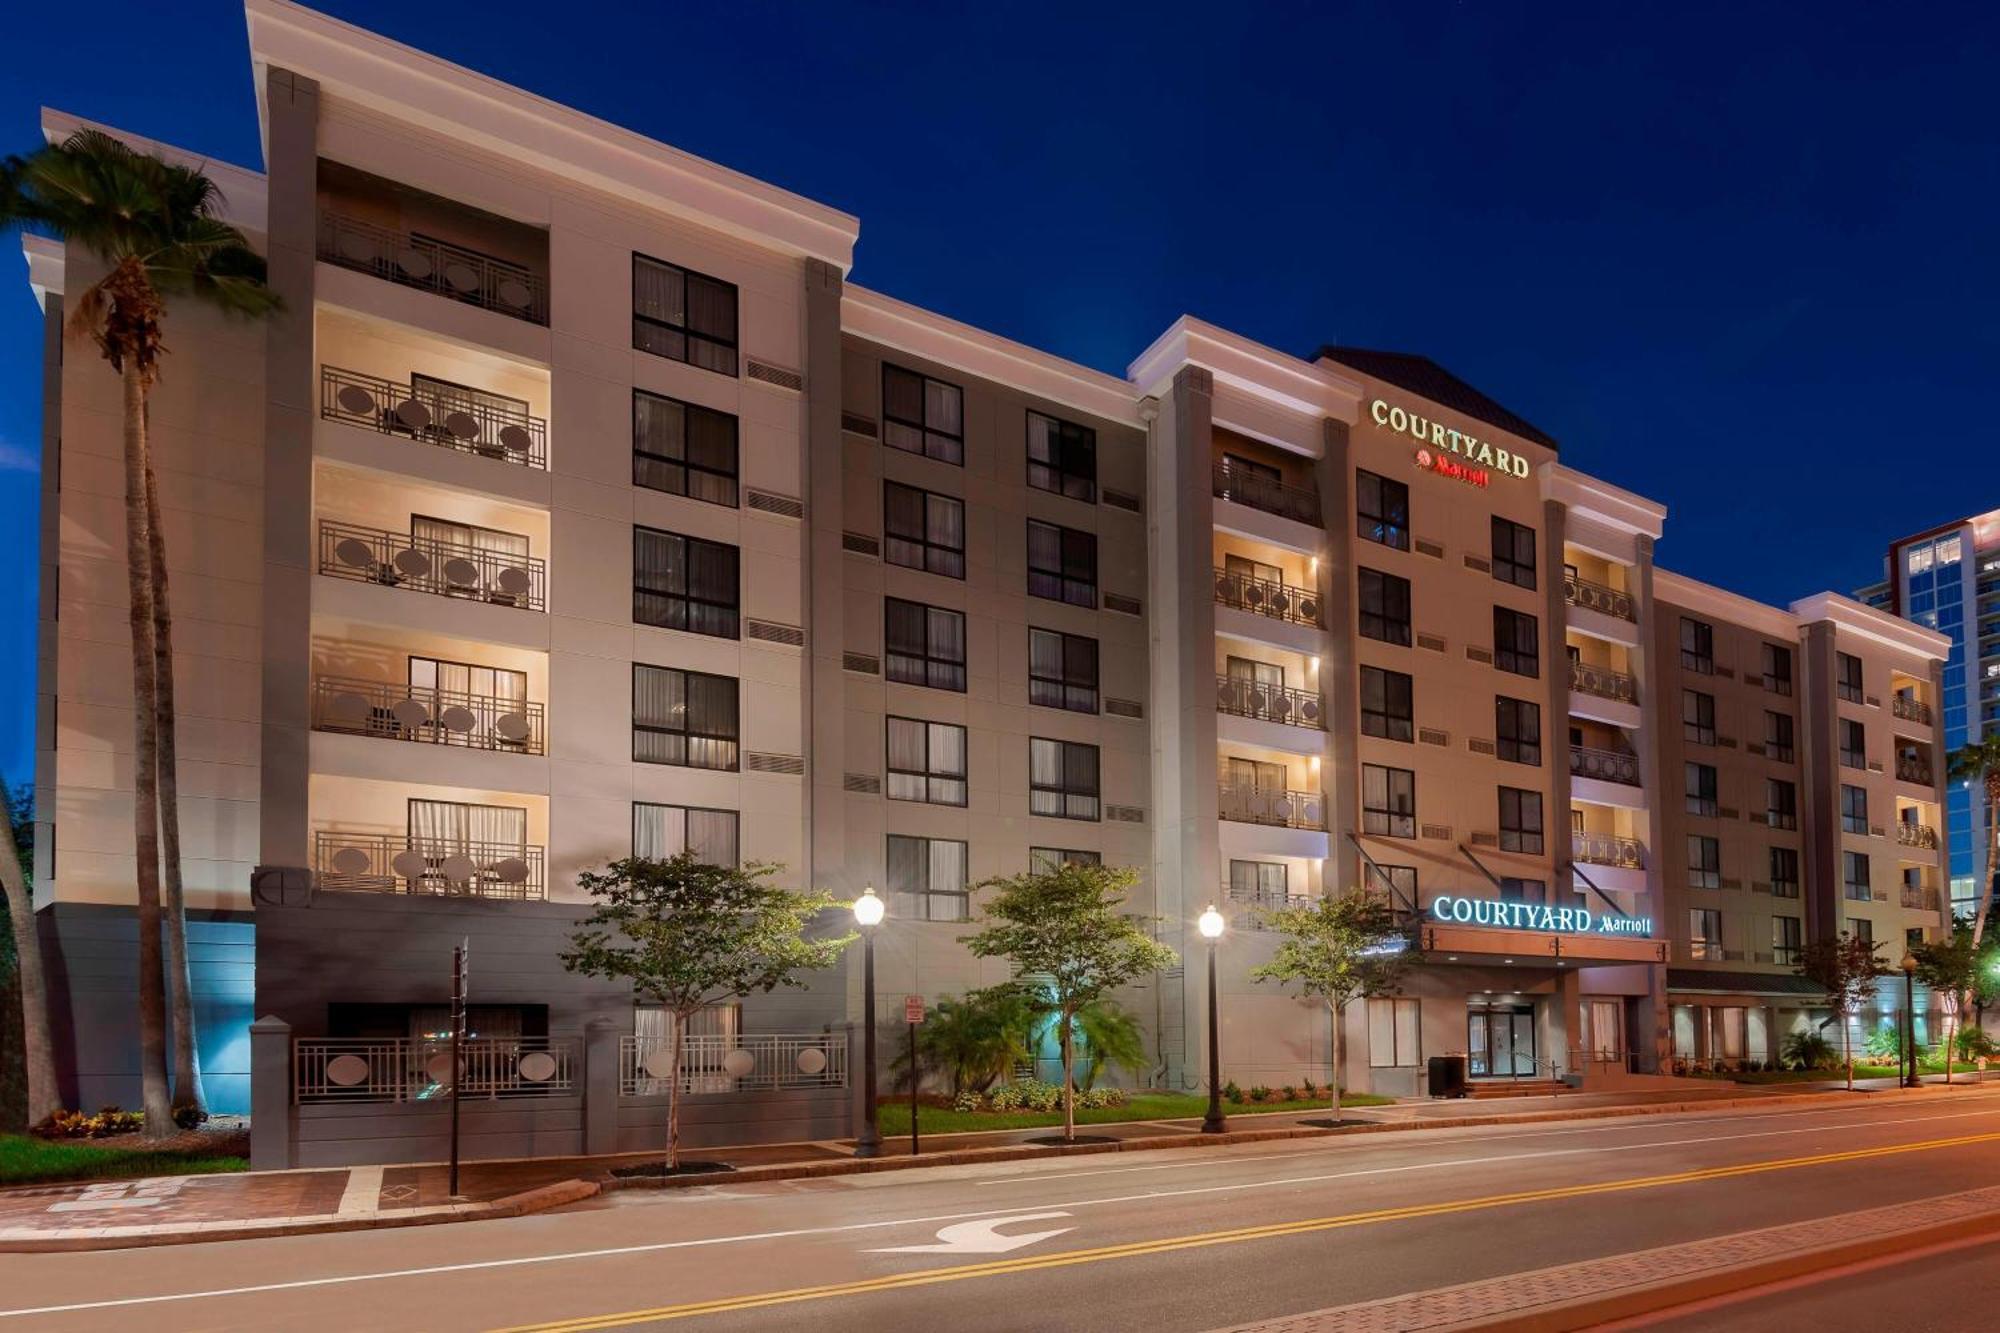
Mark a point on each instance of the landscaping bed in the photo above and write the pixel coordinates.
(934, 1117)
(221, 1145)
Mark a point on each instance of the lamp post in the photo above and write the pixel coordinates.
(868, 910)
(1910, 1019)
(1210, 923)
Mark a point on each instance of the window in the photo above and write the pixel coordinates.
(1517, 642)
(1701, 789)
(1513, 552)
(930, 875)
(1062, 670)
(1704, 862)
(684, 583)
(1062, 457)
(1705, 934)
(1385, 607)
(660, 831)
(1853, 809)
(1847, 677)
(1062, 564)
(1393, 1029)
(1385, 705)
(1854, 875)
(1781, 803)
(683, 449)
(1778, 742)
(1853, 744)
(1399, 882)
(926, 761)
(923, 645)
(685, 718)
(1513, 890)
(1697, 717)
(1517, 730)
(1784, 872)
(1263, 882)
(1044, 859)
(1382, 508)
(921, 415)
(1062, 779)
(683, 315)
(1520, 821)
(1697, 646)
(922, 530)
(1388, 801)
(1777, 669)
(1787, 939)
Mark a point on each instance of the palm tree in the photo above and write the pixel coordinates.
(1979, 761)
(157, 229)
(36, 1048)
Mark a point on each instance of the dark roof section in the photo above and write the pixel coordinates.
(1694, 979)
(1425, 377)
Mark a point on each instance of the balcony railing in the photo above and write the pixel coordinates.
(1298, 503)
(1917, 835)
(1269, 703)
(1262, 903)
(1910, 769)
(712, 1062)
(1920, 899)
(1282, 809)
(1604, 765)
(426, 564)
(1607, 849)
(1910, 710)
(1294, 606)
(1598, 597)
(399, 1069)
(434, 266)
(468, 421)
(422, 713)
(446, 867)
(1603, 682)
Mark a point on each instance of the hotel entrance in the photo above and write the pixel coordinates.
(1500, 1040)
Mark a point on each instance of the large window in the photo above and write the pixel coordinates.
(1062, 457)
(685, 718)
(1701, 798)
(1854, 875)
(1517, 730)
(1062, 564)
(1062, 670)
(1385, 607)
(1781, 803)
(1705, 934)
(1787, 939)
(926, 761)
(1388, 801)
(923, 645)
(683, 449)
(1697, 717)
(1784, 872)
(1062, 779)
(1517, 642)
(923, 530)
(921, 415)
(1382, 510)
(1520, 821)
(1704, 862)
(1697, 646)
(684, 583)
(683, 315)
(1853, 809)
(1853, 744)
(1513, 552)
(660, 831)
(1777, 664)
(1393, 1033)
(1386, 710)
(1263, 882)
(1778, 742)
(928, 876)
(1847, 677)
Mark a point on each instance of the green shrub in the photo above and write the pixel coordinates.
(968, 1101)
(1259, 1093)
(1288, 1093)
(1232, 1093)
(1808, 1050)
(1310, 1088)
(83, 1125)
(1973, 1042)
(1098, 1098)
(1885, 1043)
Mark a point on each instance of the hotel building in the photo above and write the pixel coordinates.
(908, 605)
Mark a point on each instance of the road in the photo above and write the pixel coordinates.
(1155, 1241)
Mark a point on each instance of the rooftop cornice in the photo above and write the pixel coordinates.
(1890, 631)
(1608, 504)
(244, 191)
(1706, 599)
(45, 267)
(1260, 372)
(408, 85)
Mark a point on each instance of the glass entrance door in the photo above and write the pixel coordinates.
(1500, 1041)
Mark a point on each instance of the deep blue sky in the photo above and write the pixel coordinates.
(1740, 260)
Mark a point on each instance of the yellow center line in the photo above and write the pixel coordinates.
(1238, 1235)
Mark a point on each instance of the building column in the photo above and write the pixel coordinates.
(271, 1147)
(1653, 1038)
(1819, 804)
(1339, 683)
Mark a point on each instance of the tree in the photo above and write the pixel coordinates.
(37, 1047)
(1062, 926)
(1846, 968)
(1950, 967)
(1111, 1036)
(1338, 950)
(1979, 761)
(973, 1040)
(158, 230)
(688, 934)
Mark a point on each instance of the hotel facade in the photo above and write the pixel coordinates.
(576, 505)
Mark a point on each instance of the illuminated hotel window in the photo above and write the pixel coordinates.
(1388, 801)
(1854, 876)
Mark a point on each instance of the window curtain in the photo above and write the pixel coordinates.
(659, 292)
(487, 541)
(441, 828)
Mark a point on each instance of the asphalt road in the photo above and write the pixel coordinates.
(1155, 1241)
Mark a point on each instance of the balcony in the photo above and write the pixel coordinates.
(399, 1069)
(424, 714)
(1910, 768)
(454, 272)
(1917, 835)
(406, 863)
(427, 564)
(432, 412)
(1262, 902)
(1294, 606)
(1920, 898)
(1239, 697)
(1599, 597)
(1910, 710)
(1607, 849)
(1603, 683)
(1278, 809)
(1298, 503)
(1604, 765)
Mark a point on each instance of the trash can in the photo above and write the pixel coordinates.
(1446, 1076)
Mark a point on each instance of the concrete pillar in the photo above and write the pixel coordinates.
(1655, 1040)
(1339, 684)
(1819, 803)
(857, 1079)
(1555, 702)
(825, 600)
(271, 1113)
(600, 1087)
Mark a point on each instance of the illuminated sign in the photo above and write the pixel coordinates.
(1453, 911)
(1442, 439)
(1446, 466)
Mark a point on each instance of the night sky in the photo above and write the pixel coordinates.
(1739, 259)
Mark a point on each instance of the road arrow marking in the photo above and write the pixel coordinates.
(981, 1237)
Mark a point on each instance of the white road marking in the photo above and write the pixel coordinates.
(704, 1242)
(363, 1194)
(982, 1237)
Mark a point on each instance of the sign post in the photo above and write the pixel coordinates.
(913, 1014)
(458, 956)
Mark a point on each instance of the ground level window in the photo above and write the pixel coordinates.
(1393, 1033)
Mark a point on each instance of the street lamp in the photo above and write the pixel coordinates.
(1910, 1018)
(1210, 923)
(868, 910)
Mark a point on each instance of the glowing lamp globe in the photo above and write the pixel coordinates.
(1210, 923)
(868, 908)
